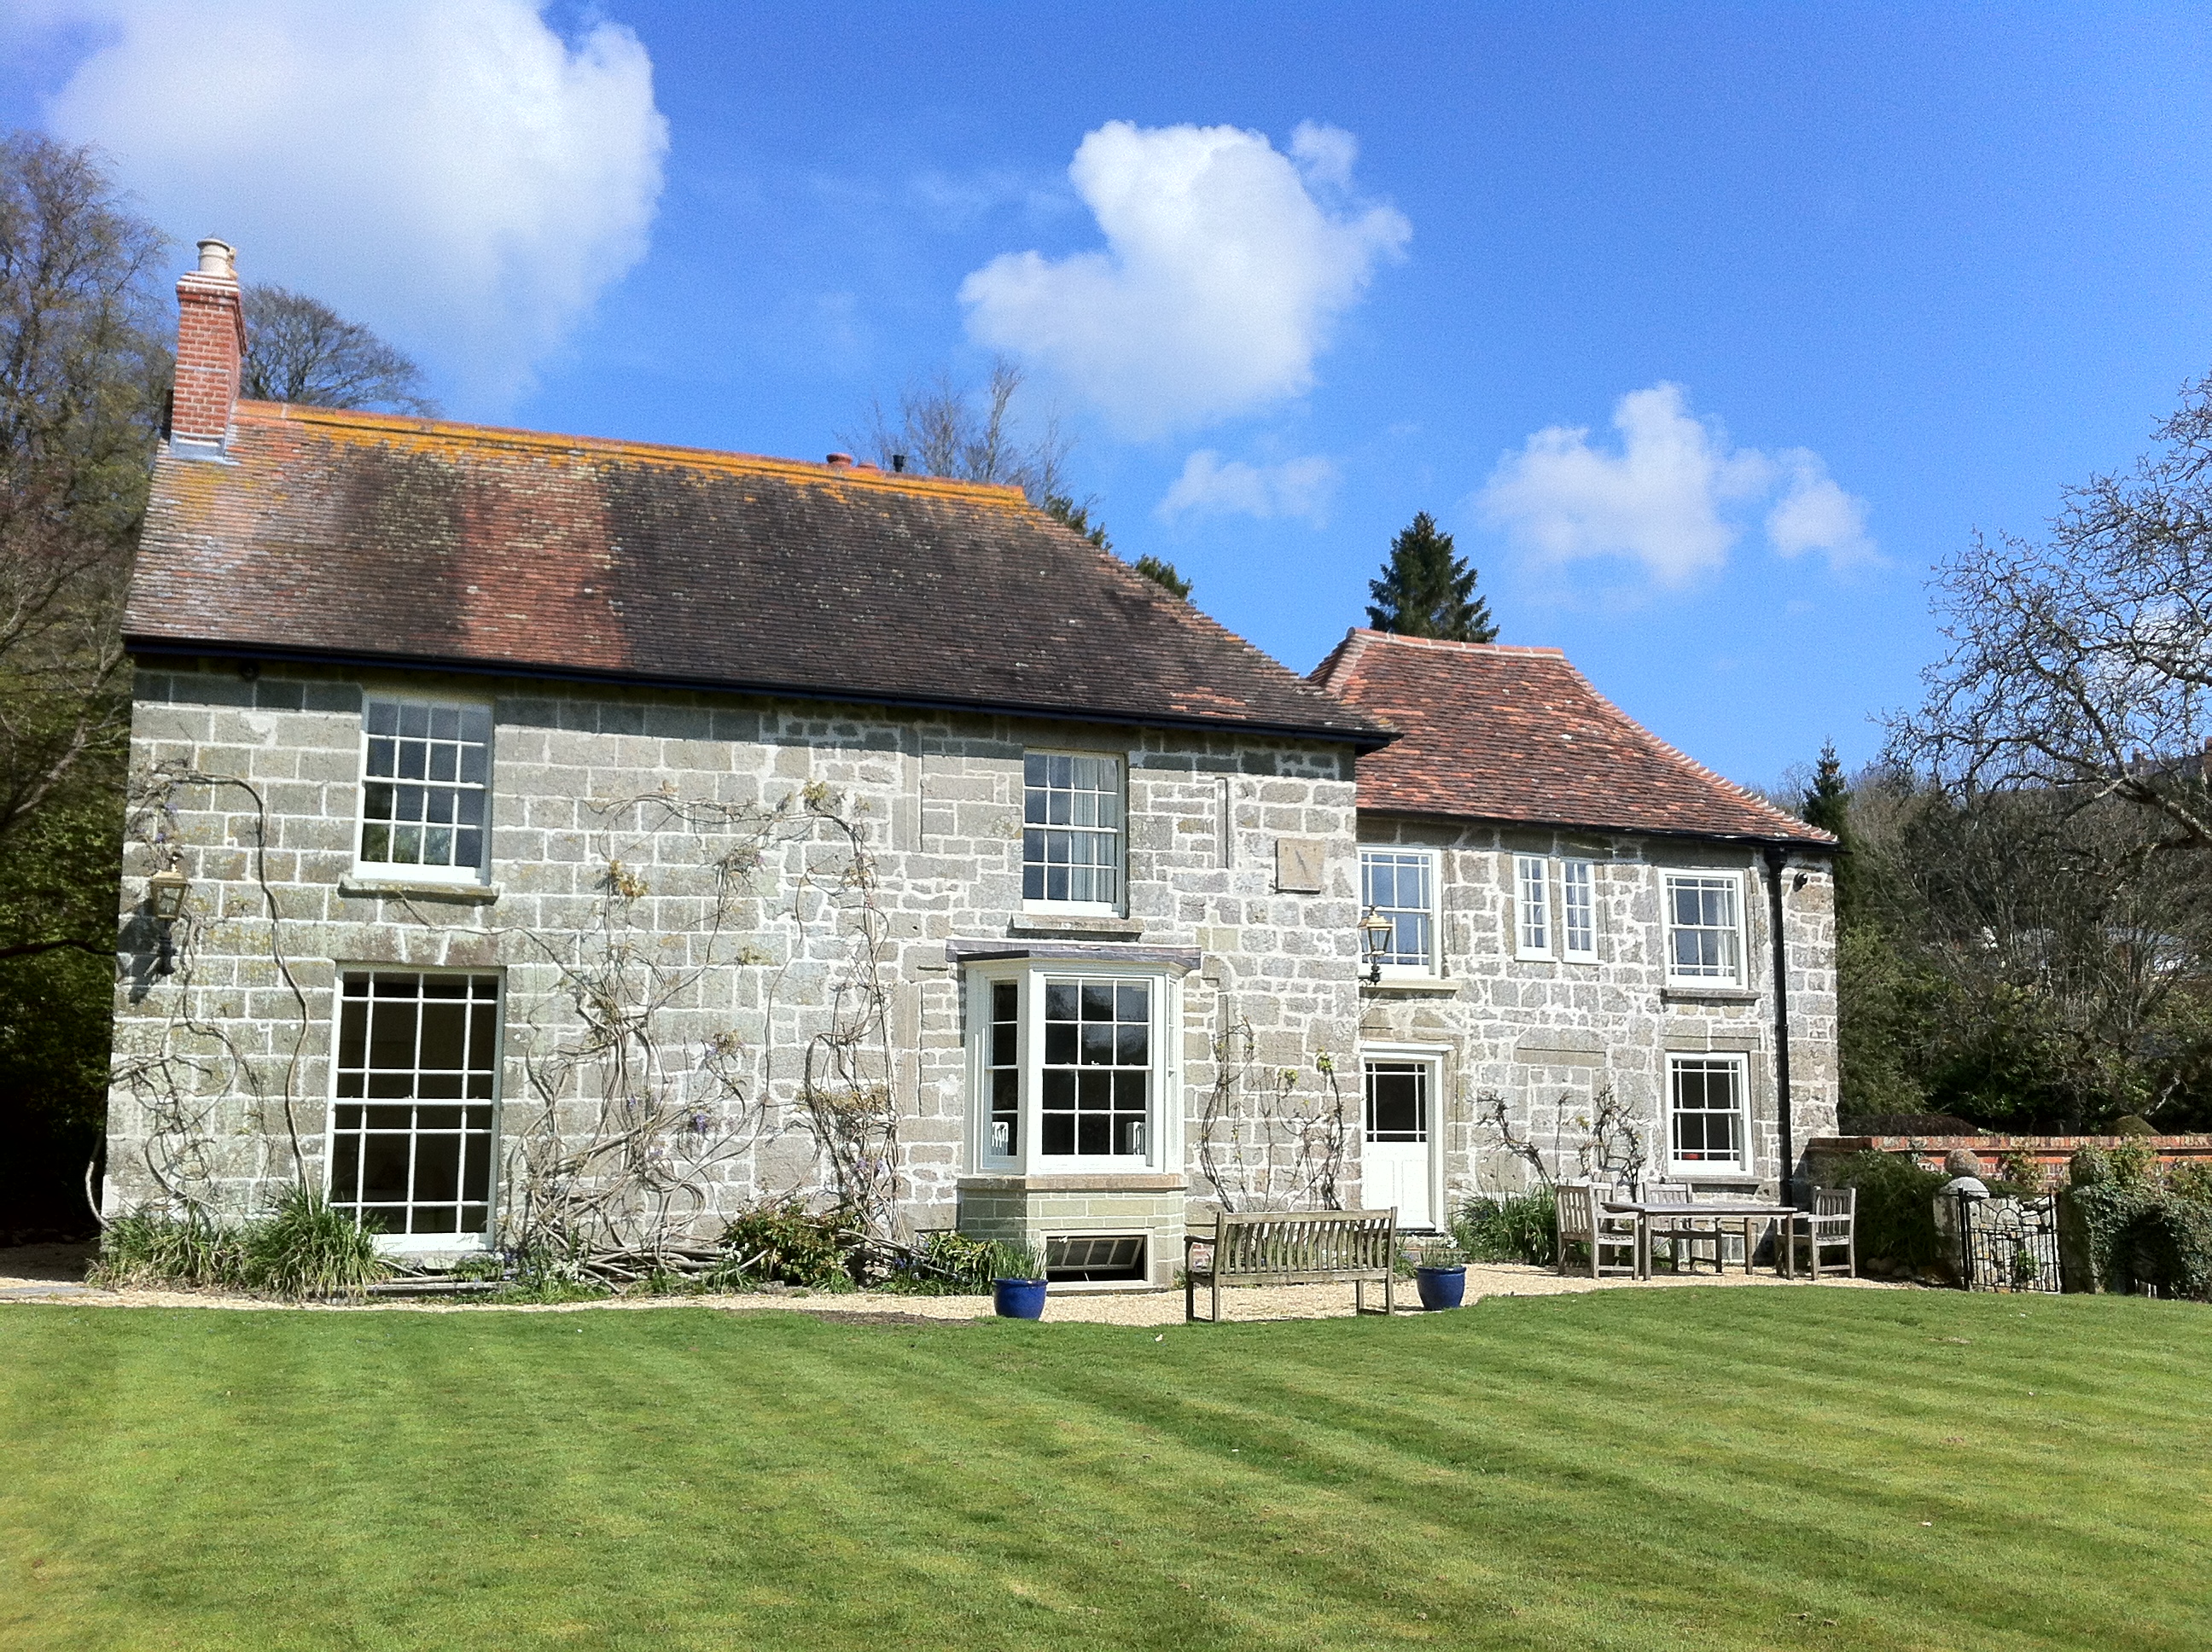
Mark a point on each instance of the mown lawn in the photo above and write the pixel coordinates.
(1681, 1468)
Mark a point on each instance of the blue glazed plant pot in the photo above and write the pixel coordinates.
(1441, 1287)
(1018, 1299)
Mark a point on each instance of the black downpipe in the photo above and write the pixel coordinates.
(1776, 858)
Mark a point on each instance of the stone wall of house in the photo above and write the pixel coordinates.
(624, 826)
(1548, 1037)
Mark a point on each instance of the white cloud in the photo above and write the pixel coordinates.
(1226, 263)
(1671, 498)
(452, 173)
(1814, 513)
(1298, 488)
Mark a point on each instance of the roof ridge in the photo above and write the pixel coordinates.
(1399, 638)
(1667, 749)
(494, 435)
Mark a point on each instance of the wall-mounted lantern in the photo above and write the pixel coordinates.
(1374, 933)
(164, 893)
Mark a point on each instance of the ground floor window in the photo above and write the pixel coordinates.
(1707, 1127)
(1070, 1067)
(411, 1138)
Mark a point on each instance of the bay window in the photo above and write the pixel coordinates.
(1071, 1064)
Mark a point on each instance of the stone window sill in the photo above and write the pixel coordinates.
(1106, 1182)
(1043, 924)
(397, 888)
(1688, 995)
(1424, 987)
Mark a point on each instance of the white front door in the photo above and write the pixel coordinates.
(1394, 1165)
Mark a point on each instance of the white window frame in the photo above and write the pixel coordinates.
(407, 1244)
(414, 872)
(1729, 973)
(1532, 906)
(1573, 869)
(1691, 1169)
(1163, 1118)
(1120, 905)
(1432, 966)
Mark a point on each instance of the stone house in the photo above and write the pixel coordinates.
(1597, 951)
(537, 838)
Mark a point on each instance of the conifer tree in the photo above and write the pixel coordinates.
(1427, 592)
(1828, 806)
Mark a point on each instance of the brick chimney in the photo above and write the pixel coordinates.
(210, 347)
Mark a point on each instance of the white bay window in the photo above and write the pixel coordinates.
(1072, 1062)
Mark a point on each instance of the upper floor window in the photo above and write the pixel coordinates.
(1578, 911)
(1073, 1067)
(1401, 886)
(1532, 906)
(426, 773)
(1704, 936)
(1072, 830)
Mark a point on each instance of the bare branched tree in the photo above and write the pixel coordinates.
(83, 376)
(2083, 661)
(946, 428)
(299, 349)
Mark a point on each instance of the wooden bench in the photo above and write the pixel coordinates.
(1294, 1248)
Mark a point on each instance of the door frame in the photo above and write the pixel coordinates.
(1437, 1059)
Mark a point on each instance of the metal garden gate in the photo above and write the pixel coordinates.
(2008, 1244)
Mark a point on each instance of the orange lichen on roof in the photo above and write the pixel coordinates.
(345, 424)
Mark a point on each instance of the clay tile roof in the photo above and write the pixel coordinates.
(364, 538)
(1501, 733)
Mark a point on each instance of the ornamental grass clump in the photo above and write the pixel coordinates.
(307, 1248)
(303, 1248)
(153, 1249)
(1509, 1227)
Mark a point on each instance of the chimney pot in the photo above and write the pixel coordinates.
(217, 258)
(839, 461)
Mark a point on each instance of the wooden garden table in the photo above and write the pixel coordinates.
(1745, 1210)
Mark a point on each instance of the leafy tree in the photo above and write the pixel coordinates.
(1427, 592)
(299, 349)
(83, 375)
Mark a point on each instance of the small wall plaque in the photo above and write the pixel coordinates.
(1299, 865)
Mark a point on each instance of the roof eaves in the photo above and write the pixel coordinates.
(1362, 740)
(1806, 837)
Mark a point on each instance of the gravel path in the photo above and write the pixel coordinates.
(53, 1273)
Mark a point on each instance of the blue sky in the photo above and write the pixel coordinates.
(1907, 271)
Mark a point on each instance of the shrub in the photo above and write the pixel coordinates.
(2132, 1124)
(302, 1248)
(788, 1242)
(2135, 1165)
(1896, 1208)
(1509, 1227)
(2190, 1180)
(2170, 1246)
(2088, 1167)
(188, 1252)
(946, 1265)
(306, 1247)
(2024, 1174)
